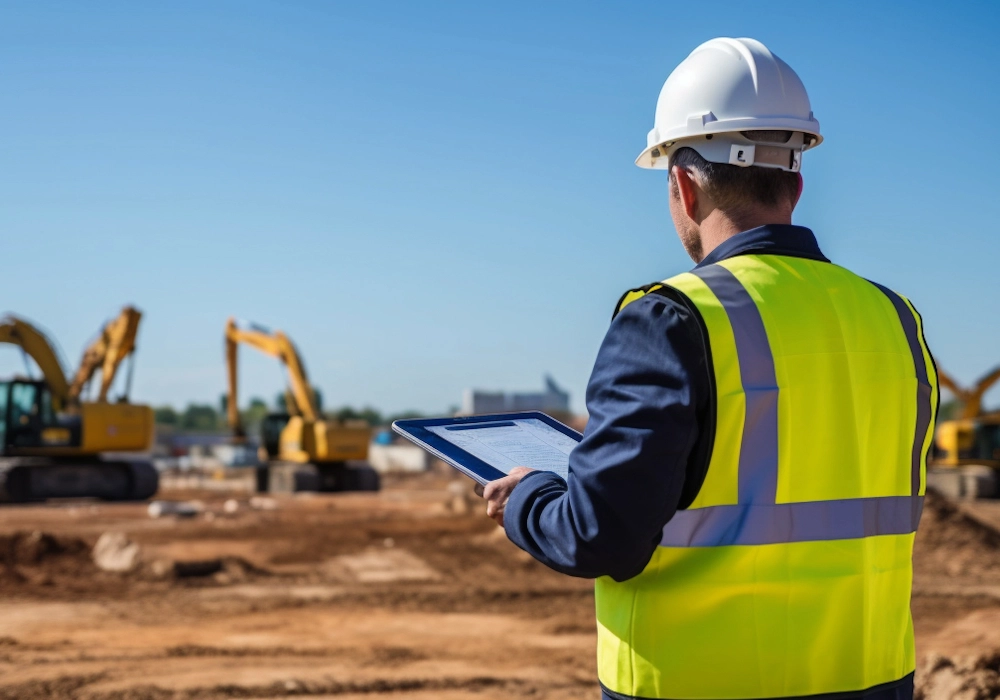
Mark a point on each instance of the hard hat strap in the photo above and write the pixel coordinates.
(735, 148)
(755, 154)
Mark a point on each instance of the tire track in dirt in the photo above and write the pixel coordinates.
(75, 688)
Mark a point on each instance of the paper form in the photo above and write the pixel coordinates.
(506, 444)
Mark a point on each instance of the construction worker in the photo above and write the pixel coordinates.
(749, 484)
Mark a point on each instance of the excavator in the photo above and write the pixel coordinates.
(966, 458)
(53, 441)
(974, 436)
(301, 450)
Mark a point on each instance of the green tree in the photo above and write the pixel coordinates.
(367, 414)
(165, 415)
(201, 417)
(281, 401)
(253, 414)
(343, 413)
(371, 416)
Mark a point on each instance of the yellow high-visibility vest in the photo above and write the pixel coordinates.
(790, 573)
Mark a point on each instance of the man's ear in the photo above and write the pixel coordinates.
(798, 195)
(688, 191)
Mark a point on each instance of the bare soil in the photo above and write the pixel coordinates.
(404, 593)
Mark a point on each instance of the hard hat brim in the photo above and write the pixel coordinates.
(648, 161)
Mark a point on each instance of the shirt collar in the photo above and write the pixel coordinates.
(772, 239)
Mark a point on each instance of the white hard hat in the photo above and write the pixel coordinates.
(734, 102)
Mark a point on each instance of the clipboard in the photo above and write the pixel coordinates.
(486, 448)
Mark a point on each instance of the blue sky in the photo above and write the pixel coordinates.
(431, 196)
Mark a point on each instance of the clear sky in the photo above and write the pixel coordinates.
(431, 196)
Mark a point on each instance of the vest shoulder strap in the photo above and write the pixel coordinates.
(633, 294)
(698, 463)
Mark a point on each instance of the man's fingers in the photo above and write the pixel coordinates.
(494, 507)
(498, 495)
(478, 489)
(495, 510)
(497, 492)
(494, 488)
(496, 500)
(489, 490)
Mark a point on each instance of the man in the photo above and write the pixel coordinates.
(750, 481)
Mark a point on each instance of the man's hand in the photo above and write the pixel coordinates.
(497, 492)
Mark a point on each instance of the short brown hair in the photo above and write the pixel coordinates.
(734, 187)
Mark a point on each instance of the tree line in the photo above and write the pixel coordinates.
(208, 418)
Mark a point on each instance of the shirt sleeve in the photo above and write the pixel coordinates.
(627, 475)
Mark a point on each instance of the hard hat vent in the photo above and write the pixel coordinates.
(768, 135)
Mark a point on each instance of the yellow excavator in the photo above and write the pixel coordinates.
(973, 438)
(301, 450)
(52, 441)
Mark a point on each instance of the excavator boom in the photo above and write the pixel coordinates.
(276, 344)
(17, 331)
(114, 344)
(971, 398)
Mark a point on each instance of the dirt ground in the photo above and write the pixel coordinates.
(405, 594)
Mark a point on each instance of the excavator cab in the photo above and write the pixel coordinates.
(988, 442)
(965, 461)
(969, 441)
(28, 418)
(270, 433)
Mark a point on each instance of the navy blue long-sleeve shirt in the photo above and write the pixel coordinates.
(647, 444)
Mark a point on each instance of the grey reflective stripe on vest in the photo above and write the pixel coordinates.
(758, 469)
(757, 519)
(812, 521)
(924, 407)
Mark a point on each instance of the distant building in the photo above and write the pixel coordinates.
(553, 400)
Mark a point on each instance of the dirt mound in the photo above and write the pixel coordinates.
(37, 556)
(952, 542)
(976, 678)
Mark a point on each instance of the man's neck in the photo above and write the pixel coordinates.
(718, 227)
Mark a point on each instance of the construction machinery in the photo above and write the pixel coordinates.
(114, 344)
(55, 444)
(301, 450)
(966, 457)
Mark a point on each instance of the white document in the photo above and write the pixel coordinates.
(506, 444)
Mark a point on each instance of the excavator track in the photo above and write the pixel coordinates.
(33, 479)
(337, 477)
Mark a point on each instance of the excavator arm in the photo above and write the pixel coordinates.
(276, 344)
(972, 399)
(115, 343)
(948, 383)
(33, 342)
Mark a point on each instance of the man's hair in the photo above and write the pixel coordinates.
(735, 188)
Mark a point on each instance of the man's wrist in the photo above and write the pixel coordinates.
(520, 495)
